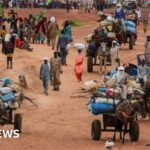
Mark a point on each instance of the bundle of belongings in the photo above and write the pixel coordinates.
(130, 26)
(79, 46)
(117, 86)
(11, 95)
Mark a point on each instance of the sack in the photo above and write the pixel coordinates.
(111, 35)
(133, 84)
(80, 46)
(8, 97)
(90, 85)
(102, 89)
(5, 90)
(100, 108)
(6, 81)
(16, 87)
(131, 29)
(130, 23)
(106, 100)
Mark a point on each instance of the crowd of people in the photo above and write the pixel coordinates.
(21, 32)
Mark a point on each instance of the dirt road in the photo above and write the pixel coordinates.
(61, 122)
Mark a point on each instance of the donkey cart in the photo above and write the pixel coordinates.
(94, 54)
(118, 116)
(8, 117)
(146, 96)
(111, 124)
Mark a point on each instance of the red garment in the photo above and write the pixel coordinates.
(19, 43)
(79, 66)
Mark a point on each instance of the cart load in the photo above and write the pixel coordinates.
(101, 105)
(11, 97)
(10, 94)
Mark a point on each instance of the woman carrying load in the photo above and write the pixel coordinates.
(79, 65)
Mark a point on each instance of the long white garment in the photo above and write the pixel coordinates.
(114, 53)
(139, 14)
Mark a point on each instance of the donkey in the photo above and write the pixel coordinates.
(103, 53)
(126, 112)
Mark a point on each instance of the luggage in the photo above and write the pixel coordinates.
(5, 90)
(90, 85)
(112, 92)
(106, 100)
(100, 108)
(80, 46)
(1, 84)
(130, 23)
(102, 89)
(110, 83)
(6, 81)
(133, 84)
(8, 97)
(16, 88)
(111, 35)
(131, 29)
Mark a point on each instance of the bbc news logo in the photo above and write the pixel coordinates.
(9, 134)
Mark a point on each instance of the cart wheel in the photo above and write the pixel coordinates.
(90, 64)
(131, 42)
(18, 122)
(134, 131)
(96, 130)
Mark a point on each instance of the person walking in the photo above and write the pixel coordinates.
(52, 31)
(114, 54)
(62, 46)
(2, 34)
(119, 14)
(45, 74)
(79, 65)
(56, 69)
(139, 15)
(9, 48)
(68, 31)
(145, 24)
(67, 6)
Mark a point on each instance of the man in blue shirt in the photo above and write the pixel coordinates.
(119, 12)
(62, 47)
(45, 74)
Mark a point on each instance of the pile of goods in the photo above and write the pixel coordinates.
(11, 95)
(105, 96)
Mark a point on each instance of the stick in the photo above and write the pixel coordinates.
(30, 100)
(79, 96)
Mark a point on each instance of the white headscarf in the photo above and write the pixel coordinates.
(120, 7)
(53, 19)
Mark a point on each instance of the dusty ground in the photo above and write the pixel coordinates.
(61, 122)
